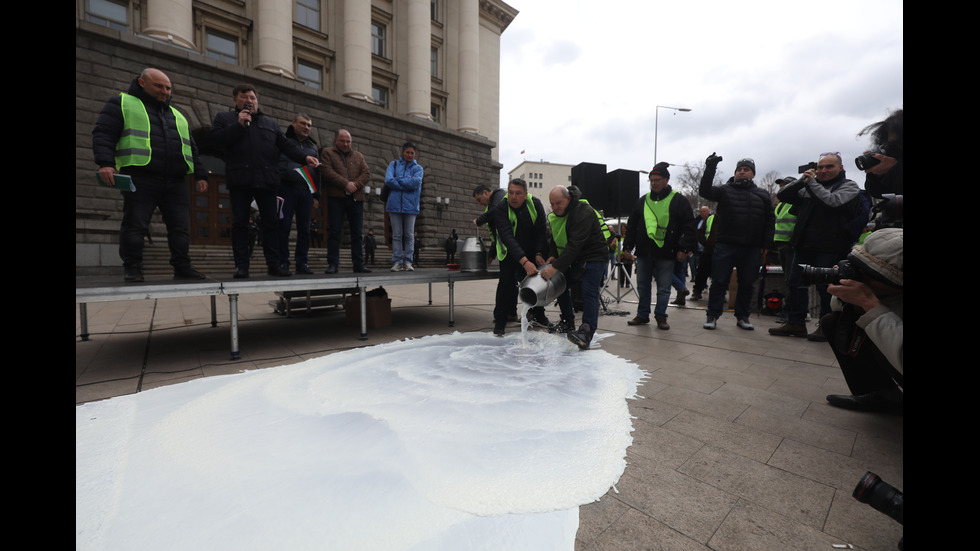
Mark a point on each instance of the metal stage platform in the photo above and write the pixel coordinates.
(109, 289)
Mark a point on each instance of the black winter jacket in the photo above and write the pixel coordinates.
(251, 154)
(287, 167)
(744, 215)
(531, 238)
(823, 213)
(166, 160)
(585, 239)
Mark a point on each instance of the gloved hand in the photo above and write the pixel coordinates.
(712, 160)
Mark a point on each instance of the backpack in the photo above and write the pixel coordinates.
(859, 219)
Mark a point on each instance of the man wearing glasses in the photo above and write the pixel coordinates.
(825, 201)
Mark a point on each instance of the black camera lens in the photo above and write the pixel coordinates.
(813, 275)
(882, 496)
(866, 161)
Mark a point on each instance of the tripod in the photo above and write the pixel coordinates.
(619, 294)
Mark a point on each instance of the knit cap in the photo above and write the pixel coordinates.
(881, 256)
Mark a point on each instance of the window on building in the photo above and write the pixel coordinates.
(378, 39)
(434, 6)
(108, 13)
(309, 74)
(380, 95)
(436, 112)
(434, 61)
(221, 46)
(308, 13)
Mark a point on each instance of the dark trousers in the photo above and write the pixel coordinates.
(704, 271)
(339, 208)
(505, 303)
(746, 259)
(241, 205)
(172, 196)
(799, 295)
(864, 367)
(296, 202)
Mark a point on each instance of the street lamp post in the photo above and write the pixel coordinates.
(656, 124)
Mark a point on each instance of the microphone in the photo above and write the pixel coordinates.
(247, 109)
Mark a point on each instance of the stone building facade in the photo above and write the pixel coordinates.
(419, 70)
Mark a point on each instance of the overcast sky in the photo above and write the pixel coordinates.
(777, 81)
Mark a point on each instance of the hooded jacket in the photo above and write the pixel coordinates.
(404, 181)
(166, 158)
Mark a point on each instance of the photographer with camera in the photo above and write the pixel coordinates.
(884, 163)
(865, 329)
(825, 201)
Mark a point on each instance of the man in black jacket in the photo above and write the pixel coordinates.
(744, 226)
(141, 135)
(661, 229)
(522, 242)
(824, 201)
(297, 197)
(578, 248)
(251, 143)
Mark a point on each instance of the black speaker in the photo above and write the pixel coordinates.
(589, 177)
(622, 191)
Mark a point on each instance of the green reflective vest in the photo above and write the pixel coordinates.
(558, 228)
(531, 209)
(656, 216)
(785, 222)
(133, 148)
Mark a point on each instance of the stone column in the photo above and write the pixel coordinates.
(274, 34)
(357, 49)
(419, 77)
(469, 66)
(171, 21)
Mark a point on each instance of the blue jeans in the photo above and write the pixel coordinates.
(746, 259)
(296, 201)
(648, 269)
(799, 296)
(339, 208)
(402, 237)
(241, 207)
(591, 280)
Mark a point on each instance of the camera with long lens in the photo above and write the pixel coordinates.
(889, 212)
(868, 160)
(884, 497)
(813, 275)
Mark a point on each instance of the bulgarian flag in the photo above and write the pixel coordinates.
(304, 172)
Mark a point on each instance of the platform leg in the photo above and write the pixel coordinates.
(214, 311)
(233, 310)
(363, 313)
(83, 319)
(452, 304)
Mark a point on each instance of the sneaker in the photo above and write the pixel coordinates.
(398, 268)
(745, 324)
(583, 337)
(563, 326)
(662, 324)
(408, 268)
(638, 321)
(789, 330)
(710, 323)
